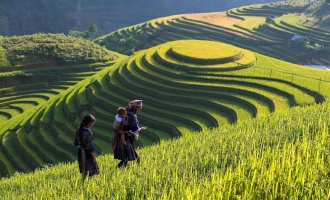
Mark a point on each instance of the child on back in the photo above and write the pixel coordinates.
(121, 119)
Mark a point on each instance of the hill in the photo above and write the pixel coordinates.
(244, 27)
(200, 85)
(318, 15)
(60, 16)
(51, 50)
(38, 66)
(285, 155)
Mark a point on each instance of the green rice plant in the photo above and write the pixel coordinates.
(169, 57)
(48, 114)
(22, 136)
(27, 105)
(279, 156)
(13, 150)
(251, 22)
(83, 97)
(159, 75)
(58, 109)
(142, 73)
(6, 164)
(4, 116)
(46, 145)
(11, 111)
(71, 103)
(190, 101)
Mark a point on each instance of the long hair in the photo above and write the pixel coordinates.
(88, 118)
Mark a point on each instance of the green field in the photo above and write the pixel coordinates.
(197, 92)
(281, 156)
(243, 27)
(231, 113)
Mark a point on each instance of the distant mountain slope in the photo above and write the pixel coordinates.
(318, 15)
(33, 16)
(245, 27)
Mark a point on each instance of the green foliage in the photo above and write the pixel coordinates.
(93, 28)
(279, 156)
(77, 34)
(3, 60)
(53, 48)
(89, 34)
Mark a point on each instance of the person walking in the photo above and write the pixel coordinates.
(86, 156)
(127, 152)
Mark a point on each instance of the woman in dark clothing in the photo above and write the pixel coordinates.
(86, 156)
(123, 152)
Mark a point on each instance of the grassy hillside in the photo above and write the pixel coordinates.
(244, 27)
(52, 49)
(35, 68)
(190, 82)
(200, 84)
(318, 15)
(282, 156)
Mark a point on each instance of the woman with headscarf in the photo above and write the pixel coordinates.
(84, 139)
(127, 152)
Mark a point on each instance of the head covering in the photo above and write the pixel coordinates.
(134, 105)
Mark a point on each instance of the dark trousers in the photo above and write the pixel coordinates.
(123, 163)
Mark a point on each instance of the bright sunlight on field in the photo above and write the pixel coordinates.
(282, 156)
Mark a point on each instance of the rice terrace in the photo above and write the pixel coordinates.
(231, 110)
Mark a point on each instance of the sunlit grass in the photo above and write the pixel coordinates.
(202, 49)
(280, 156)
(189, 101)
(251, 22)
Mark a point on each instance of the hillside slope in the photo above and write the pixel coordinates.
(318, 15)
(199, 85)
(245, 27)
(51, 50)
(285, 155)
(35, 68)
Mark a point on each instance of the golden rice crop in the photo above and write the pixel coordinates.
(280, 156)
(202, 49)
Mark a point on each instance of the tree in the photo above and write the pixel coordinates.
(92, 32)
(93, 28)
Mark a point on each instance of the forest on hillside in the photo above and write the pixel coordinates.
(59, 16)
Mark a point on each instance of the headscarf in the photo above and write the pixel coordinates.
(134, 105)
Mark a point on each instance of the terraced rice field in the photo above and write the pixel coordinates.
(244, 27)
(187, 86)
(19, 99)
